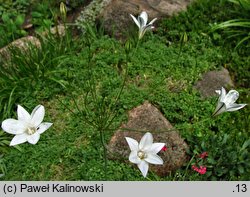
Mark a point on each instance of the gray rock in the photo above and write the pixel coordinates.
(91, 12)
(22, 43)
(213, 80)
(143, 118)
(116, 14)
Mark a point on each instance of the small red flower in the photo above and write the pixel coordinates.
(164, 148)
(195, 168)
(203, 155)
(201, 170)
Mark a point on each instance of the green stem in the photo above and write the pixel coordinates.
(203, 120)
(104, 153)
(156, 178)
(111, 118)
(137, 44)
(123, 84)
(180, 50)
(188, 167)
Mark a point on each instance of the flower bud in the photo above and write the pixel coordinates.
(128, 46)
(184, 37)
(63, 10)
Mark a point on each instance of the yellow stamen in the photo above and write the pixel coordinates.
(141, 154)
(31, 130)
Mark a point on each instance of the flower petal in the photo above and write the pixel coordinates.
(133, 158)
(153, 158)
(33, 139)
(222, 94)
(146, 142)
(19, 139)
(22, 114)
(231, 97)
(144, 29)
(143, 18)
(37, 115)
(43, 127)
(141, 33)
(13, 126)
(133, 144)
(220, 108)
(218, 92)
(135, 20)
(148, 27)
(151, 22)
(156, 147)
(143, 166)
(234, 107)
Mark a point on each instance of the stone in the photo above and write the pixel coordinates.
(89, 14)
(24, 42)
(21, 43)
(213, 80)
(143, 118)
(116, 17)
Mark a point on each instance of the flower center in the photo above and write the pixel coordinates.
(31, 130)
(141, 154)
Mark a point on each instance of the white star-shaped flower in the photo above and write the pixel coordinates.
(141, 22)
(145, 152)
(227, 101)
(27, 127)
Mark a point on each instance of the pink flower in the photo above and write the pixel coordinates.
(201, 170)
(203, 155)
(164, 148)
(195, 168)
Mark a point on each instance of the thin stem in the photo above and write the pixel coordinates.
(155, 176)
(66, 33)
(137, 44)
(179, 53)
(148, 178)
(203, 120)
(66, 106)
(117, 98)
(122, 87)
(104, 153)
(123, 84)
(188, 167)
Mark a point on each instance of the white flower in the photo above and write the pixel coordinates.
(226, 102)
(142, 23)
(27, 127)
(145, 152)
